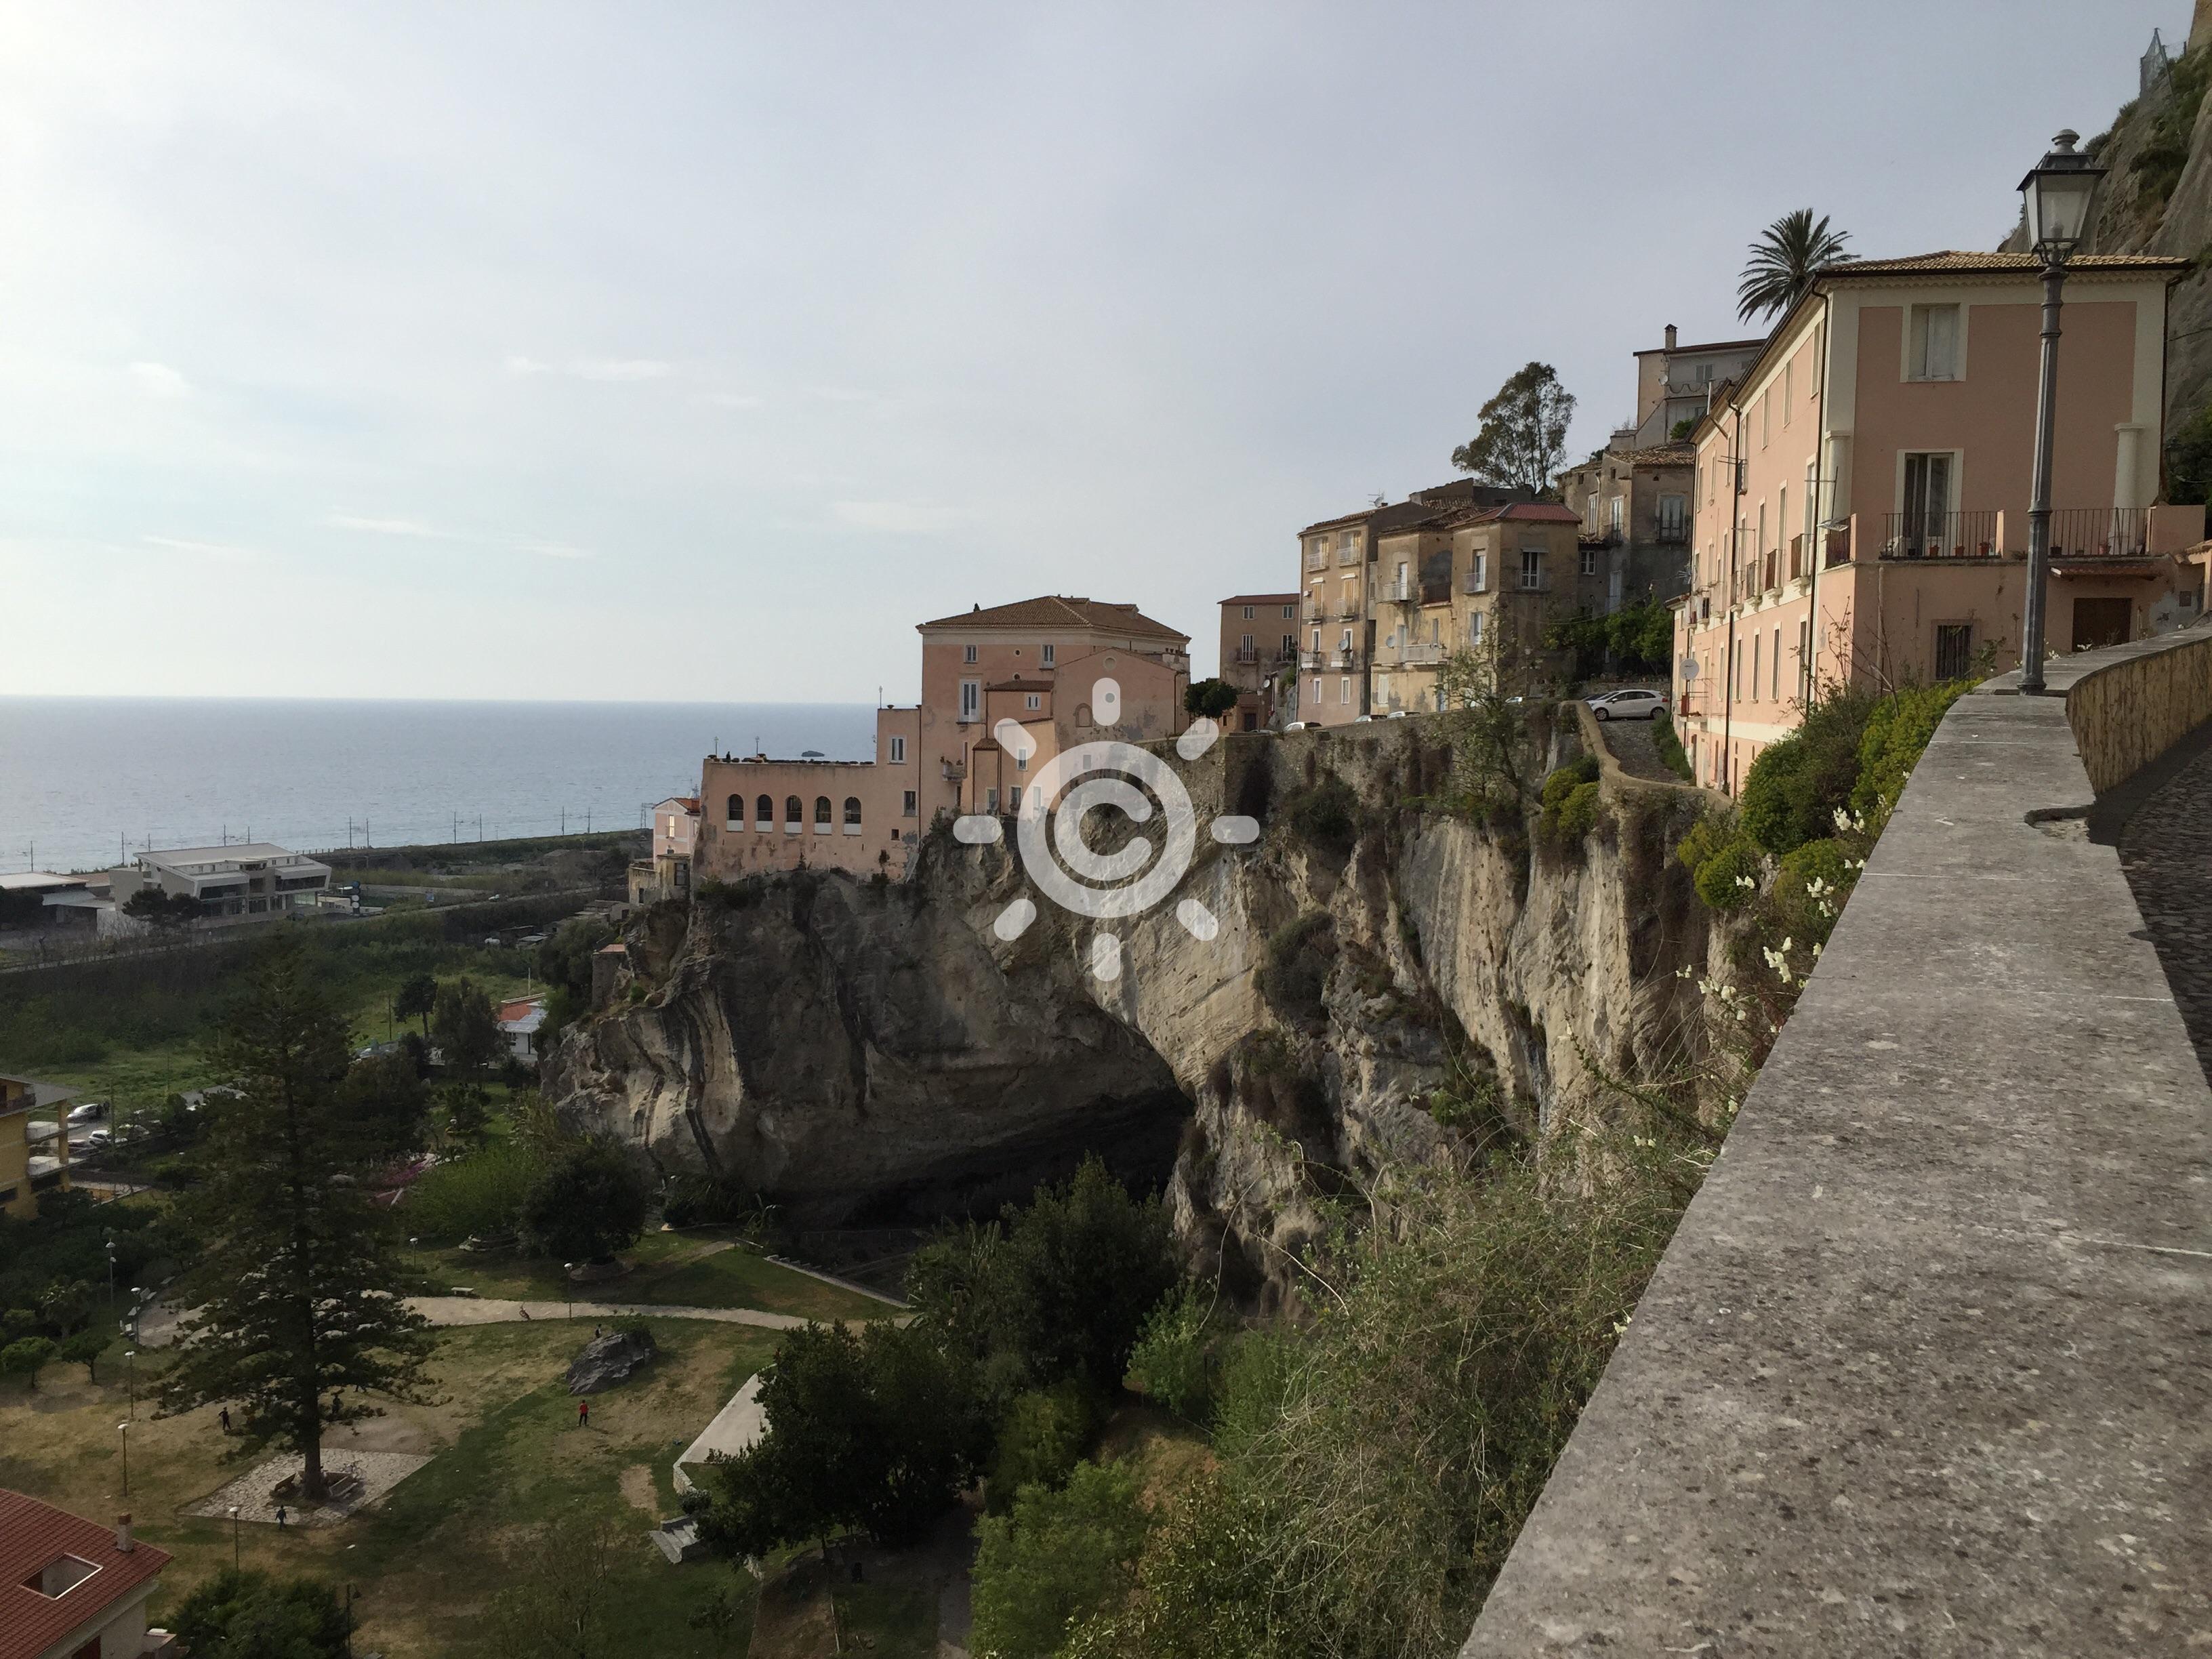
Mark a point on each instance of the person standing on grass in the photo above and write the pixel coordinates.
(583, 1413)
(226, 1419)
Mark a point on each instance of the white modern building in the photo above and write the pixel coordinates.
(246, 881)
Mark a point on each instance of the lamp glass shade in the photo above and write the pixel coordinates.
(2058, 193)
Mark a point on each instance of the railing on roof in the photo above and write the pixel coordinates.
(2101, 532)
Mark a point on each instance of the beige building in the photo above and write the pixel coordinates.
(1632, 507)
(244, 882)
(666, 873)
(1259, 648)
(1065, 670)
(34, 1143)
(1860, 494)
(1675, 383)
(1483, 580)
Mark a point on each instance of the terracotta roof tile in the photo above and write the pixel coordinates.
(33, 1536)
(1954, 260)
(1681, 454)
(1261, 598)
(1058, 610)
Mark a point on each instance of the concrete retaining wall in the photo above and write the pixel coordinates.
(1927, 1369)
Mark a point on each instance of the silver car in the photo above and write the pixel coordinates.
(1632, 705)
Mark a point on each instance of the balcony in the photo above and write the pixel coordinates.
(1475, 581)
(956, 771)
(1317, 561)
(1348, 611)
(1941, 535)
(1419, 653)
(1337, 658)
(1398, 591)
(1347, 554)
(1245, 654)
(1671, 531)
(2100, 533)
(1315, 611)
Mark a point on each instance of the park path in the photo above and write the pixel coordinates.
(157, 1327)
(1632, 746)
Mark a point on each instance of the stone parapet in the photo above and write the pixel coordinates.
(1926, 1368)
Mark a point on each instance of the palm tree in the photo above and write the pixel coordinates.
(1783, 261)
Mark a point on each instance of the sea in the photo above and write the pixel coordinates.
(87, 780)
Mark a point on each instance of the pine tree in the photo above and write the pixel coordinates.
(300, 1270)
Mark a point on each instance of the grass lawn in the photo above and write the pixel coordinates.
(669, 1270)
(506, 1455)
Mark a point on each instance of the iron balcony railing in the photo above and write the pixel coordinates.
(1400, 591)
(1335, 658)
(2100, 533)
(1347, 610)
(1971, 535)
(1671, 531)
(1421, 651)
(1316, 612)
(1316, 560)
(1348, 555)
(1476, 581)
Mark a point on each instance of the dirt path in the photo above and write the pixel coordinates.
(494, 1311)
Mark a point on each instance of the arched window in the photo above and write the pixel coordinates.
(822, 813)
(852, 812)
(733, 812)
(764, 812)
(1083, 714)
(793, 810)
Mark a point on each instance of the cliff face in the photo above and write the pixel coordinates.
(863, 1052)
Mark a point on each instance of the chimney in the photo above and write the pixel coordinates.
(1670, 337)
(123, 1544)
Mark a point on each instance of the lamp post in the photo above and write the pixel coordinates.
(2058, 193)
(124, 1429)
(130, 1370)
(233, 1538)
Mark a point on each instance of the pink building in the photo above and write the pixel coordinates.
(1860, 495)
(1064, 670)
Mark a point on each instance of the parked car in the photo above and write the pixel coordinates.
(1399, 714)
(1302, 725)
(1365, 719)
(1630, 705)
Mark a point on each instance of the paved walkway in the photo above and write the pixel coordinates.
(1631, 745)
(735, 1427)
(2166, 849)
(158, 1327)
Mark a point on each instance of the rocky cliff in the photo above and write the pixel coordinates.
(1385, 979)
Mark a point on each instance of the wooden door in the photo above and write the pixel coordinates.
(2101, 621)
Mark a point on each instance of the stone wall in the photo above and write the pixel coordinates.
(2144, 698)
(1925, 1368)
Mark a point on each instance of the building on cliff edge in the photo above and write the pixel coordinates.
(1037, 662)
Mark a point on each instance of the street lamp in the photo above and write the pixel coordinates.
(2057, 191)
(124, 1429)
(233, 1538)
(130, 1370)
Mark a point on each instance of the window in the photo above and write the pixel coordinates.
(1735, 668)
(763, 813)
(1673, 518)
(1954, 650)
(908, 805)
(1289, 611)
(991, 799)
(822, 811)
(1290, 641)
(1774, 668)
(1343, 640)
(1047, 654)
(1805, 660)
(1316, 691)
(1034, 700)
(1614, 513)
(1083, 714)
(852, 812)
(1926, 497)
(1589, 562)
(1317, 638)
(1754, 664)
(1021, 761)
(1475, 631)
(1931, 352)
(1481, 583)
(1344, 690)
(1789, 388)
(793, 810)
(967, 653)
(1812, 495)
(1245, 644)
(1248, 613)
(733, 811)
(1765, 420)
(1532, 569)
(898, 751)
(971, 701)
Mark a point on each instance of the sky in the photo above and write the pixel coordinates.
(696, 353)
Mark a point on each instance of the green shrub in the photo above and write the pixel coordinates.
(1810, 887)
(482, 1193)
(250, 1615)
(23, 1359)
(1299, 955)
(1720, 880)
(1577, 814)
(589, 1202)
(1794, 787)
(1669, 745)
(706, 1200)
(1326, 815)
(1896, 733)
(1061, 1556)
(1712, 832)
(1043, 1437)
(1175, 1359)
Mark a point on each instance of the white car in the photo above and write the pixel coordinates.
(1636, 705)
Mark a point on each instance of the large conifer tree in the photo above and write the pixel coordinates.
(299, 1272)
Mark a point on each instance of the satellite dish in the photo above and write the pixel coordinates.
(1689, 668)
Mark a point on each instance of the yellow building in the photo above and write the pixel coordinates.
(34, 1148)
(1485, 580)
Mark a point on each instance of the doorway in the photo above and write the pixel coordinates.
(2101, 622)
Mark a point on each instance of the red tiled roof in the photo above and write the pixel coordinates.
(520, 1009)
(33, 1536)
(1017, 684)
(1058, 610)
(1953, 260)
(1520, 512)
(1261, 598)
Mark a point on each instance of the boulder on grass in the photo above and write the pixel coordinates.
(606, 1360)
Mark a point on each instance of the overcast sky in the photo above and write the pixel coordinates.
(696, 353)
